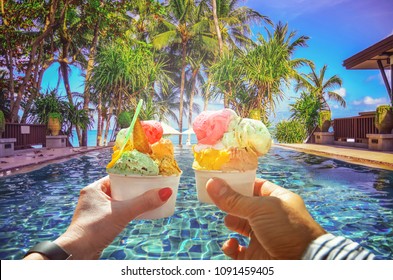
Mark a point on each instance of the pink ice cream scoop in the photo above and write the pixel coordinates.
(210, 126)
(153, 131)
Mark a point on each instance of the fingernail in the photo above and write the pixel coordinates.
(165, 194)
(217, 188)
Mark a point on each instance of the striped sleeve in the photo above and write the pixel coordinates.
(330, 247)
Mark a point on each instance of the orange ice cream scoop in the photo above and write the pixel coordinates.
(162, 148)
(241, 159)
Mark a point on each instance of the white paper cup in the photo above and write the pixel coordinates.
(241, 182)
(124, 187)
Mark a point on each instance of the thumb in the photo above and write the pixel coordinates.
(228, 200)
(150, 200)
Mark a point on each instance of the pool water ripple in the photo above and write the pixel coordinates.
(346, 199)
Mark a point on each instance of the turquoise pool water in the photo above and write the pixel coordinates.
(346, 199)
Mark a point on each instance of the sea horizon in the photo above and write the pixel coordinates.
(92, 138)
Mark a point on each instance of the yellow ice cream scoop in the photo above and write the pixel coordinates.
(211, 159)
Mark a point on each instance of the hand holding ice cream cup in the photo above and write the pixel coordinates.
(228, 148)
(143, 160)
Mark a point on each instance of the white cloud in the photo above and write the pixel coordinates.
(368, 100)
(342, 92)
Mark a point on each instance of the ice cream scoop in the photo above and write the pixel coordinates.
(153, 130)
(249, 133)
(135, 163)
(163, 154)
(210, 126)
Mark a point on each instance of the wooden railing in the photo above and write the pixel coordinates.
(26, 134)
(355, 127)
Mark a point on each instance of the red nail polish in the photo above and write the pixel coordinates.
(165, 194)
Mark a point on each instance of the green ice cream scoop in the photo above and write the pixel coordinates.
(134, 163)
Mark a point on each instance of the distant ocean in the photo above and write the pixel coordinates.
(92, 138)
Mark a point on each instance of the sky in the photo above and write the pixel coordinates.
(338, 29)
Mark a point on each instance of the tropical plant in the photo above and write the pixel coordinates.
(182, 25)
(2, 123)
(225, 77)
(46, 104)
(384, 119)
(124, 119)
(306, 110)
(321, 86)
(324, 119)
(290, 131)
(269, 66)
(75, 116)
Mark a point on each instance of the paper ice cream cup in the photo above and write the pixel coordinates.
(240, 181)
(125, 187)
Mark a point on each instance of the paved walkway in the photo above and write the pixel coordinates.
(354, 155)
(27, 160)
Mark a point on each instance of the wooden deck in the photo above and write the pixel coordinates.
(360, 156)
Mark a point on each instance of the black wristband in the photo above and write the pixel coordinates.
(49, 249)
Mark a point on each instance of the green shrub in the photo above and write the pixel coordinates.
(55, 115)
(2, 122)
(324, 120)
(124, 119)
(381, 113)
(290, 132)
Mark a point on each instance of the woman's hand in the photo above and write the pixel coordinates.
(98, 219)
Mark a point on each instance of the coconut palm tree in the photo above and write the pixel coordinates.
(184, 24)
(321, 86)
(232, 22)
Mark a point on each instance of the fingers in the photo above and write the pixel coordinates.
(266, 188)
(257, 186)
(228, 200)
(232, 249)
(148, 201)
(237, 224)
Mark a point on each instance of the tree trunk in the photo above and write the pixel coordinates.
(108, 120)
(37, 78)
(182, 85)
(99, 119)
(216, 24)
(194, 74)
(90, 66)
(49, 26)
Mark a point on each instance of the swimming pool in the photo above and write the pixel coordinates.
(346, 199)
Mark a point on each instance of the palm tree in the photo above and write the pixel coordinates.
(322, 87)
(269, 66)
(183, 25)
(231, 24)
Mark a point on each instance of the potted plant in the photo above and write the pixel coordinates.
(384, 119)
(324, 120)
(2, 123)
(124, 119)
(54, 123)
